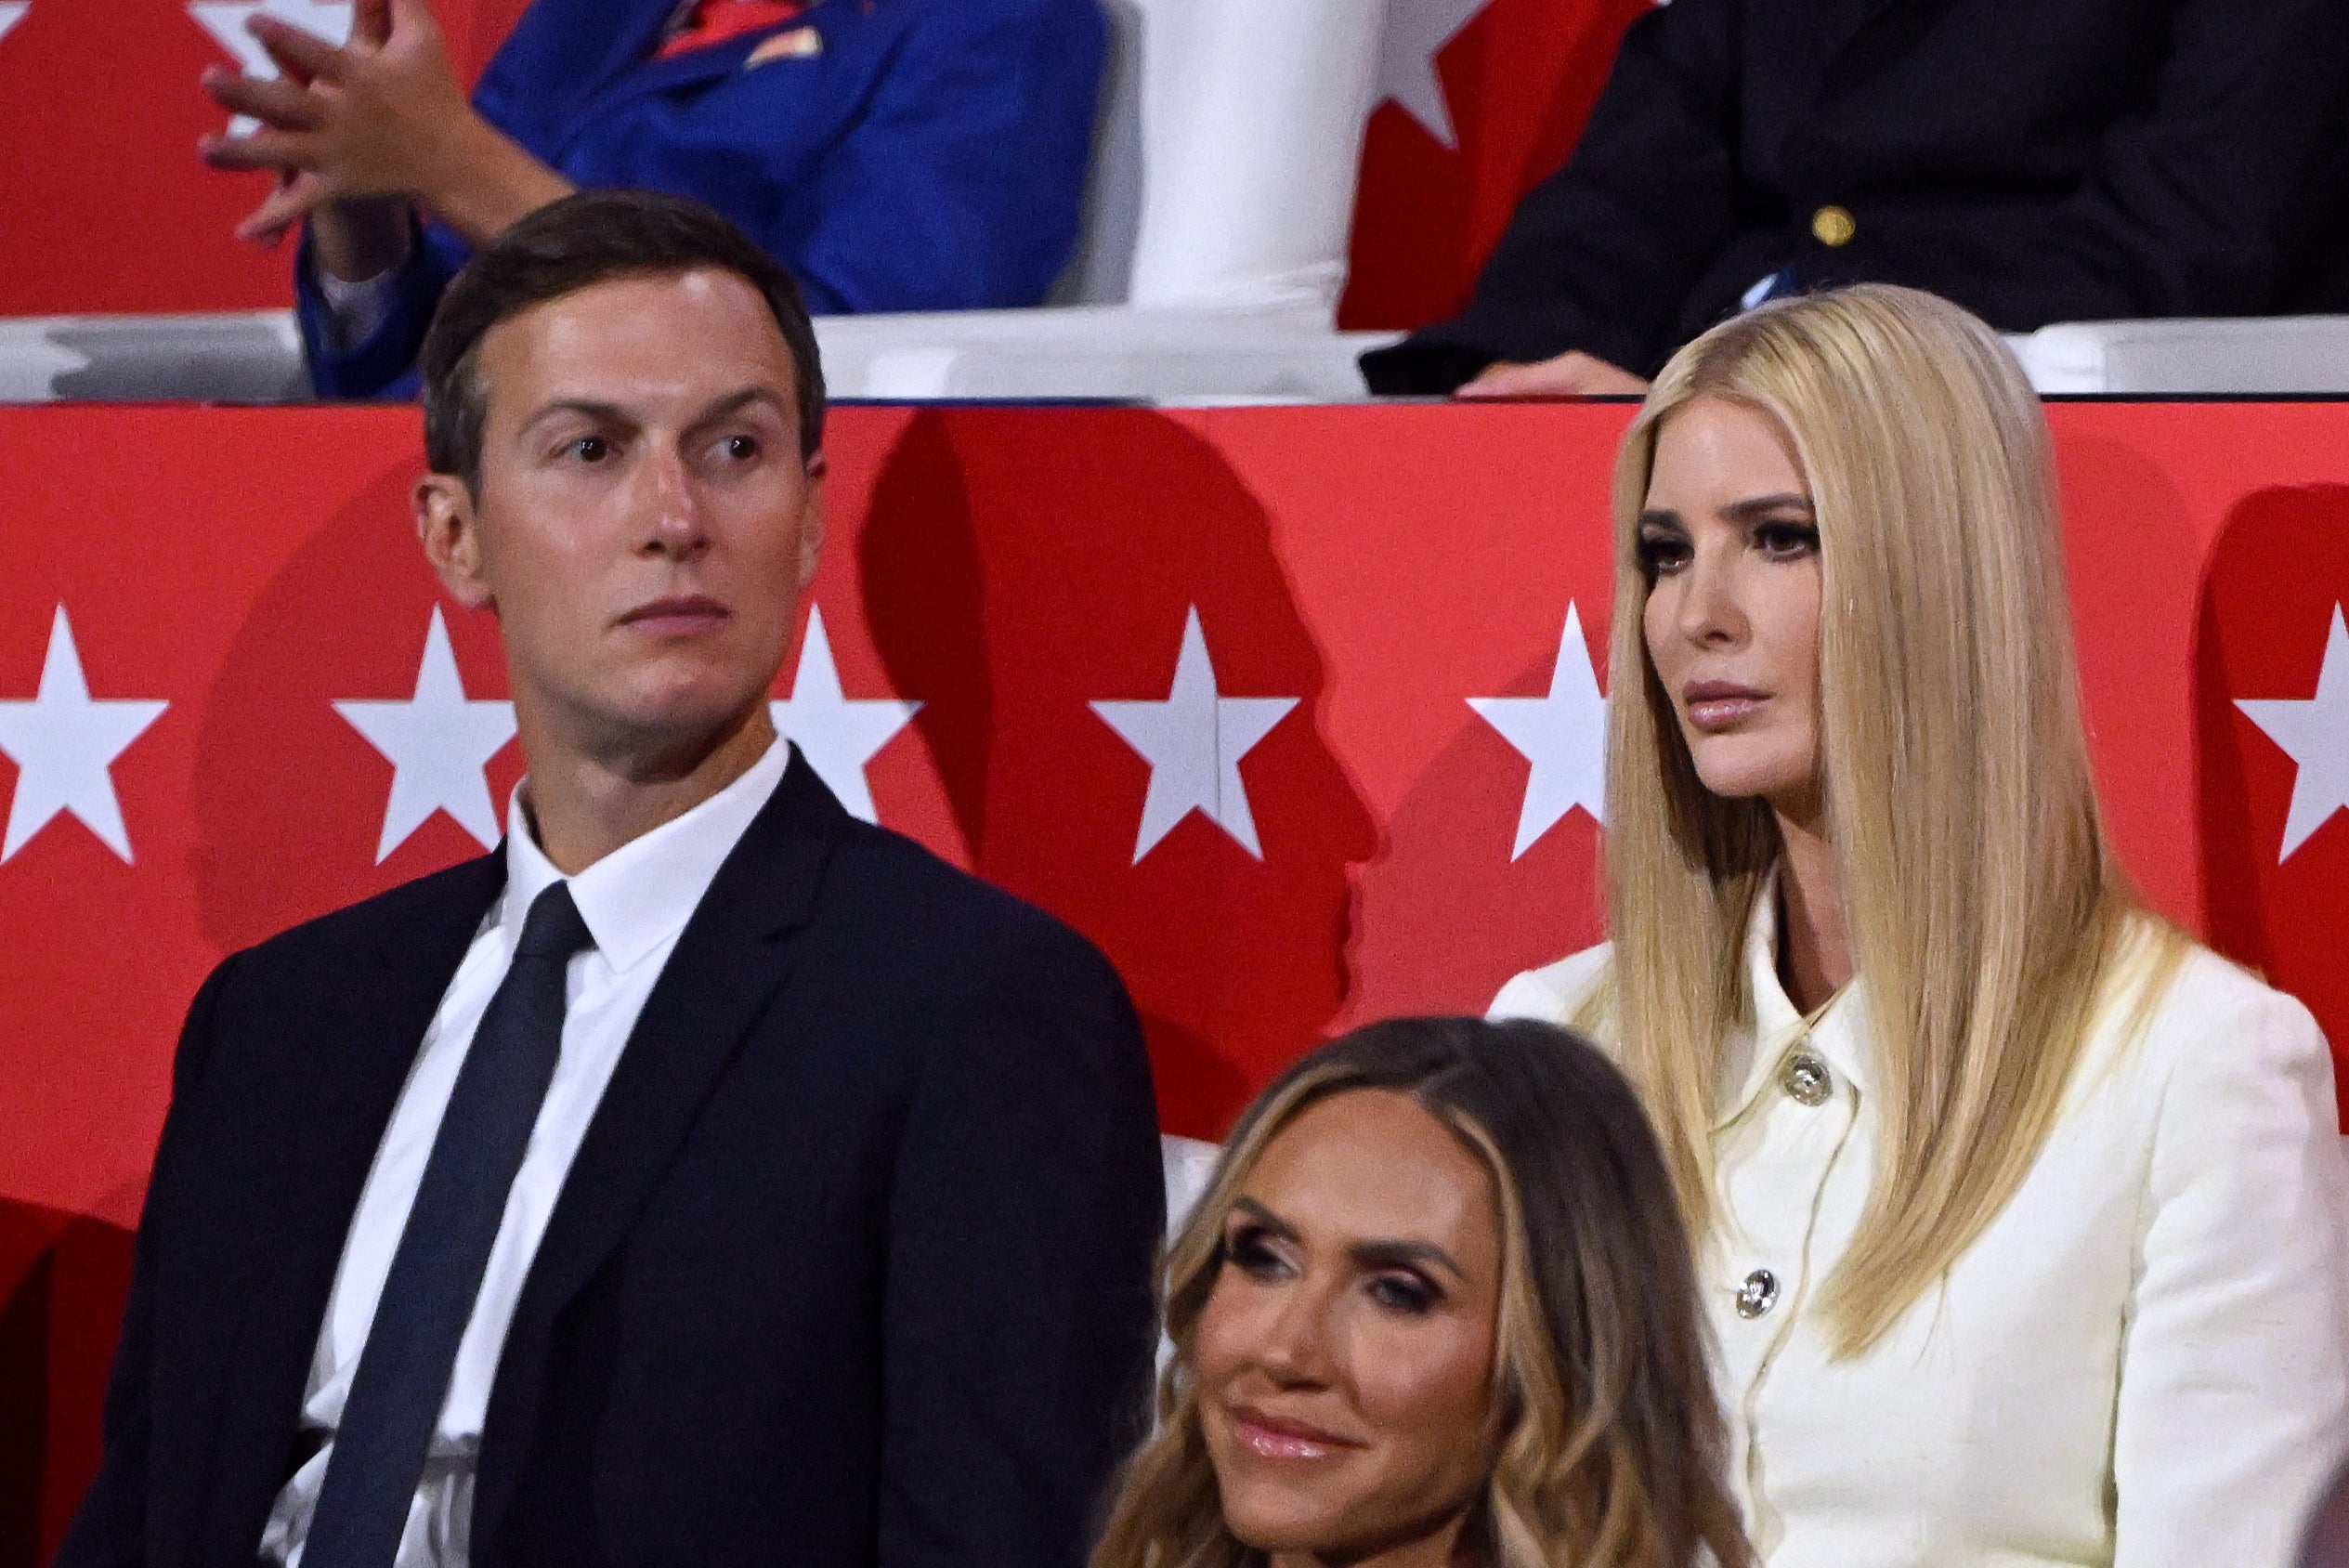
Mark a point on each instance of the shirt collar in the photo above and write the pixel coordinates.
(1838, 1034)
(640, 895)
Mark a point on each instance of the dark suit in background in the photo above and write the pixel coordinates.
(2035, 161)
(852, 1268)
(915, 155)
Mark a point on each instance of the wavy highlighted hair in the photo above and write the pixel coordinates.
(1989, 921)
(1609, 1449)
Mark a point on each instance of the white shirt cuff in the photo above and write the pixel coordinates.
(354, 310)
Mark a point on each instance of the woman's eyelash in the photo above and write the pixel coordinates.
(1787, 535)
(1654, 552)
(1247, 1248)
(1405, 1293)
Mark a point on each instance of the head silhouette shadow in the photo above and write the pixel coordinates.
(289, 798)
(1020, 565)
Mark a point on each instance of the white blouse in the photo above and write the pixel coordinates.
(2143, 1360)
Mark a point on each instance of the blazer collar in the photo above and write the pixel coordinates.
(1836, 1033)
(714, 60)
(728, 963)
(1883, 31)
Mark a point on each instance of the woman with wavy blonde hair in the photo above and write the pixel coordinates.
(2021, 1218)
(1434, 1311)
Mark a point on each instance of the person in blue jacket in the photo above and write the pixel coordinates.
(893, 154)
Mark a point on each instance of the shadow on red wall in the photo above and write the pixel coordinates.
(2274, 584)
(289, 798)
(63, 1279)
(1008, 585)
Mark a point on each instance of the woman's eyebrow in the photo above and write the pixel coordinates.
(1264, 1217)
(1753, 509)
(1662, 517)
(1386, 1254)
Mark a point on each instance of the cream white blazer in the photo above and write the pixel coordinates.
(2142, 1362)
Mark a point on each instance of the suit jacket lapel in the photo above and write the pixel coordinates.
(713, 61)
(727, 964)
(356, 1049)
(560, 57)
(1887, 30)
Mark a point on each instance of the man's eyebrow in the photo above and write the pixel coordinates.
(735, 401)
(602, 414)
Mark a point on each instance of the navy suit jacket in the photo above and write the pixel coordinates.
(931, 155)
(2035, 161)
(853, 1266)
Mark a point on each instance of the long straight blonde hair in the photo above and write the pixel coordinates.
(1986, 912)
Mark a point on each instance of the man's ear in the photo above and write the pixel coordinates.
(812, 522)
(451, 532)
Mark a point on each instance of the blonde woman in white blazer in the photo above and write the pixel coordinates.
(2028, 1219)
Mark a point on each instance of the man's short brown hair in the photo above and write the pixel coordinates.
(592, 237)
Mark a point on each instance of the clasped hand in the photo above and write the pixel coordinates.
(381, 116)
(362, 135)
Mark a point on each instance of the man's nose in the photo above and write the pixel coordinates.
(674, 520)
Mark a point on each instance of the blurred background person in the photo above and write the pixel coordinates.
(893, 154)
(2022, 1216)
(2036, 161)
(1435, 1308)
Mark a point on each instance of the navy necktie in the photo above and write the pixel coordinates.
(428, 1296)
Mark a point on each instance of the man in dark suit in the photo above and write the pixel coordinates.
(703, 1177)
(893, 154)
(2035, 161)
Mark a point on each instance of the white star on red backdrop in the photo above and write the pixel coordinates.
(1415, 33)
(438, 743)
(11, 13)
(2314, 732)
(64, 745)
(1564, 735)
(1193, 742)
(836, 733)
(225, 19)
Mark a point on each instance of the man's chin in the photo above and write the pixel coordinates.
(676, 735)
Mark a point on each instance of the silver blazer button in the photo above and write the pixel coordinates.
(1806, 1079)
(1758, 1295)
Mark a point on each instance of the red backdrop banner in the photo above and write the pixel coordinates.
(1481, 100)
(231, 697)
(108, 207)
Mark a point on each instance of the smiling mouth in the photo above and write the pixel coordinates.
(1712, 706)
(1270, 1437)
(679, 616)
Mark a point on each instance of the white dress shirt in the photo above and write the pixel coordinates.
(636, 902)
(2143, 1361)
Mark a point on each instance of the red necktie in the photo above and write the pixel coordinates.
(714, 21)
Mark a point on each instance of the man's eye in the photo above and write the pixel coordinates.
(740, 448)
(588, 449)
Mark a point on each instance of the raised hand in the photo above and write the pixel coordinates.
(365, 129)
